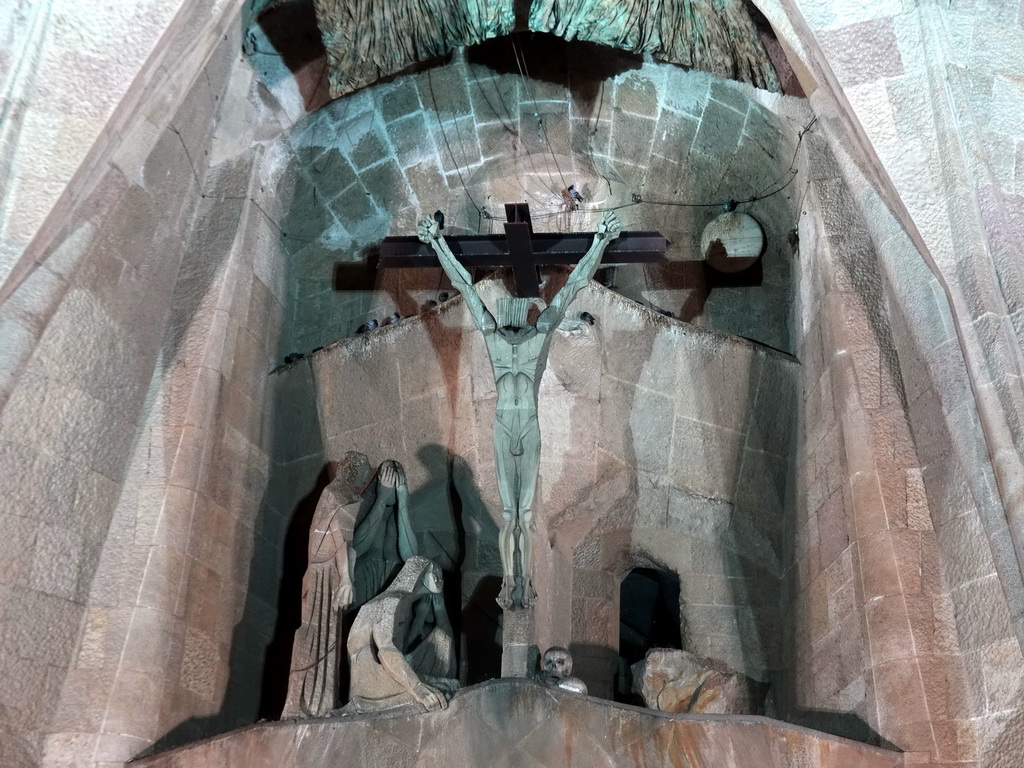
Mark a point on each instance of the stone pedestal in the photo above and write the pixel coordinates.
(516, 640)
(523, 723)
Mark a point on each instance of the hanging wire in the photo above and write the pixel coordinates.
(524, 73)
(796, 149)
(639, 200)
(513, 120)
(458, 168)
(221, 198)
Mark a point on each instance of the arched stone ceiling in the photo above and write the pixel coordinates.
(367, 41)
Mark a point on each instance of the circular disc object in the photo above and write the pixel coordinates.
(732, 242)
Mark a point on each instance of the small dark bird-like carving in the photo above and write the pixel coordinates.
(439, 218)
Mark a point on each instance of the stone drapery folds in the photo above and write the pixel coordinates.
(367, 40)
(370, 39)
(718, 37)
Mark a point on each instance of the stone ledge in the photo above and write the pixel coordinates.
(520, 722)
(593, 294)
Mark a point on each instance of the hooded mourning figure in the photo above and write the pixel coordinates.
(360, 536)
(400, 648)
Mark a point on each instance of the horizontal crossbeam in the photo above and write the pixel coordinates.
(548, 248)
(522, 249)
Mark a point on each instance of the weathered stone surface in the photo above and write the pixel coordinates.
(467, 136)
(676, 681)
(400, 648)
(612, 486)
(516, 722)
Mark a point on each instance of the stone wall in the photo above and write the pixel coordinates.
(930, 123)
(138, 329)
(474, 133)
(927, 144)
(978, 564)
(663, 444)
(976, 560)
(134, 450)
(74, 82)
(873, 629)
(138, 324)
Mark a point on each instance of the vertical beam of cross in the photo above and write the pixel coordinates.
(519, 236)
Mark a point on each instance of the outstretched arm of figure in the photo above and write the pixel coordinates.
(582, 274)
(406, 536)
(429, 232)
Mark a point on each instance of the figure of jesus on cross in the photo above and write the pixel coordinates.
(518, 352)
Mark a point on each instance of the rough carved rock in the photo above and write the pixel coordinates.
(713, 36)
(676, 681)
(366, 41)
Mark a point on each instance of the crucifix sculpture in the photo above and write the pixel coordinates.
(518, 351)
(522, 249)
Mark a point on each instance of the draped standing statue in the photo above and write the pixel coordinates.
(359, 538)
(519, 353)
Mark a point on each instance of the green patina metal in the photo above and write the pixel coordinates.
(366, 41)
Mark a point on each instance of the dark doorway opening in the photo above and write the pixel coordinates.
(648, 618)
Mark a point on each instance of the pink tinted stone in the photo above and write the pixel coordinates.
(863, 53)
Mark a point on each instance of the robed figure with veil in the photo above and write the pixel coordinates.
(360, 537)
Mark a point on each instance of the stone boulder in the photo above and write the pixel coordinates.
(676, 681)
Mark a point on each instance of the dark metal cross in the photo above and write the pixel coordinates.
(523, 249)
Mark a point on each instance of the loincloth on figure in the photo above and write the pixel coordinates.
(514, 435)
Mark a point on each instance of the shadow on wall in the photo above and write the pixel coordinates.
(442, 537)
(760, 535)
(297, 477)
(580, 66)
(763, 492)
(482, 627)
(276, 667)
(476, 618)
(438, 507)
(648, 618)
(283, 41)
